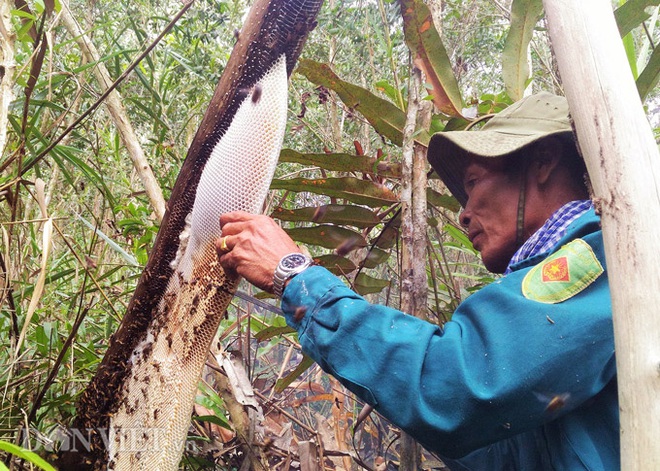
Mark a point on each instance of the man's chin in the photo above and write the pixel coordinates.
(494, 265)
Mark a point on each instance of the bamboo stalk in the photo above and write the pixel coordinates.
(8, 67)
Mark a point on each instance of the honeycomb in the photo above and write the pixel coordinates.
(149, 429)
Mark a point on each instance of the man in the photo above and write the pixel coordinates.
(523, 376)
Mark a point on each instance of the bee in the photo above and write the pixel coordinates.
(300, 313)
(553, 402)
(256, 93)
(319, 212)
(349, 244)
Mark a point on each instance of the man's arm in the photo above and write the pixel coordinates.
(490, 373)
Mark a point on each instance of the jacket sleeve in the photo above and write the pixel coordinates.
(503, 364)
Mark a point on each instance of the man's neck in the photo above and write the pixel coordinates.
(549, 234)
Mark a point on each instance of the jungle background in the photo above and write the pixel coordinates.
(85, 174)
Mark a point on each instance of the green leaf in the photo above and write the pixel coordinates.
(336, 264)
(69, 154)
(386, 118)
(375, 257)
(214, 419)
(493, 104)
(349, 188)
(649, 77)
(389, 91)
(344, 163)
(431, 56)
(348, 215)
(444, 201)
(106, 58)
(327, 236)
(631, 14)
(456, 124)
(387, 237)
(152, 113)
(42, 340)
(23, 14)
(46, 103)
(27, 455)
(629, 47)
(210, 399)
(515, 68)
(270, 332)
(459, 236)
(281, 384)
(130, 259)
(365, 284)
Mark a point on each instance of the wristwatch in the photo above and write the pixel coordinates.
(289, 266)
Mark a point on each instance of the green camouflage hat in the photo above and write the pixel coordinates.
(527, 121)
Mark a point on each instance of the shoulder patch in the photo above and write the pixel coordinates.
(563, 274)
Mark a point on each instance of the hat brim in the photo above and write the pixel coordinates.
(449, 152)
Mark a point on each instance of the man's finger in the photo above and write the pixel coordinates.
(234, 216)
(222, 246)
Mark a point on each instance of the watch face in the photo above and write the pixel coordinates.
(293, 260)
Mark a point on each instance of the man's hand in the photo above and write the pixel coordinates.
(252, 246)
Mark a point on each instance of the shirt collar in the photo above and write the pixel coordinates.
(544, 239)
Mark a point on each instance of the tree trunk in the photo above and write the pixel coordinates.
(413, 232)
(624, 165)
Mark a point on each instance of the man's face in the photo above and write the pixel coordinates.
(491, 211)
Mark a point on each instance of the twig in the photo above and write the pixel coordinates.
(285, 413)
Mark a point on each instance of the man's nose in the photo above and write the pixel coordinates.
(464, 218)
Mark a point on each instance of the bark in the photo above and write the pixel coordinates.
(413, 209)
(118, 114)
(624, 165)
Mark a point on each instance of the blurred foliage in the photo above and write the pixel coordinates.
(336, 188)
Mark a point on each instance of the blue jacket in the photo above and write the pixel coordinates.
(522, 377)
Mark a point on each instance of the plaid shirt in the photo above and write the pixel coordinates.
(551, 232)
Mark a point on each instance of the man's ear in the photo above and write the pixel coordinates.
(546, 158)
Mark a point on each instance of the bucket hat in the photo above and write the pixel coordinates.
(525, 122)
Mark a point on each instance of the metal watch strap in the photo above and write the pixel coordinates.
(284, 272)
